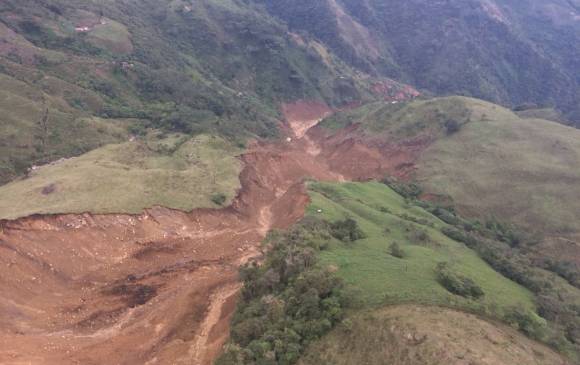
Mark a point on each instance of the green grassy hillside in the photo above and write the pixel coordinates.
(379, 277)
(362, 252)
(176, 172)
(36, 128)
(523, 170)
(477, 264)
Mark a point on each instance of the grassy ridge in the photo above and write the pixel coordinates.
(379, 274)
(523, 170)
(404, 120)
(489, 160)
(379, 277)
(177, 172)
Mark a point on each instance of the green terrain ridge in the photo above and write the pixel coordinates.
(177, 172)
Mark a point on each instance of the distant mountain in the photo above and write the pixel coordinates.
(506, 51)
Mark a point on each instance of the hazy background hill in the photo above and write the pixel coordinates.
(509, 52)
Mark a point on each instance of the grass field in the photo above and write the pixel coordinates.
(177, 172)
(379, 278)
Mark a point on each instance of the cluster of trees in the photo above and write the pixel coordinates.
(289, 300)
(346, 230)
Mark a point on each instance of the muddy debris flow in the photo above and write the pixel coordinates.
(160, 287)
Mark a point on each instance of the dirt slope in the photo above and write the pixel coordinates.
(156, 288)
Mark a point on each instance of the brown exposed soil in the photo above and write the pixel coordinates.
(160, 287)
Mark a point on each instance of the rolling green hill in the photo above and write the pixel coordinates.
(524, 170)
(382, 278)
(490, 161)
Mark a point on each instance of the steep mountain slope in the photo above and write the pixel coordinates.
(207, 66)
(505, 51)
(513, 175)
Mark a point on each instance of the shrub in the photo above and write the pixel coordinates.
(407, 190)
(457, 283)
(396, 250)
(346, 230)
(451, 127)
(218, 199)
(526, 322)
(418, 236)
(459, 236)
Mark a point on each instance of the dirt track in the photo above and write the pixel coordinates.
(159, 288)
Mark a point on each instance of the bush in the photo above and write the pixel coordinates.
(218, 199)
(446, 216)
(396, 250)
(457, 283)
(460, 236)
(346, 230)
(418, 236)
(451, 127)
(526, 322)
(407, 190)
(504, 232)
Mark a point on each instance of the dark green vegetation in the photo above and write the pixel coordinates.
(457, 283)
(225, 66)
(506, 51)
(289, 300)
